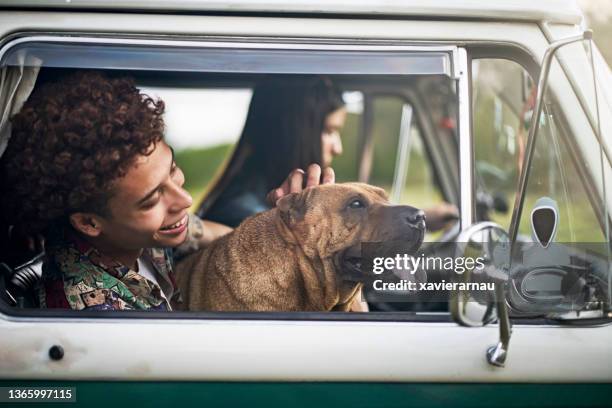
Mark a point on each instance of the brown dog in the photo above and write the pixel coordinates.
(301, 256)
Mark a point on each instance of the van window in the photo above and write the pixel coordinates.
(398, 133)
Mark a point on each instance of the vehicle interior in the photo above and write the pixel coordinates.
(385, 111)
(378, 108)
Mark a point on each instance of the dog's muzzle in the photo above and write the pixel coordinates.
(403, 225)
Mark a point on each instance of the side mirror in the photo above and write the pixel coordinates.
(489, 241)
(544, 220)
(477, 307)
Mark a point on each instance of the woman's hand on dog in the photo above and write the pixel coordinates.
(299, 179)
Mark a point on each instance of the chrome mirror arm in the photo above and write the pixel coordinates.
(496, 355)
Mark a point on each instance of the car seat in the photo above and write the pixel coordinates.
(17, 285)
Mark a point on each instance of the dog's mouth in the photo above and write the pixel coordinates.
(351, 259)
(350, 264)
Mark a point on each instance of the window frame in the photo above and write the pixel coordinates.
(458, 72)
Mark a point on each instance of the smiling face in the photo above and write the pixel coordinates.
(148, 208)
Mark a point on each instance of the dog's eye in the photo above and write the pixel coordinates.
(357, 203)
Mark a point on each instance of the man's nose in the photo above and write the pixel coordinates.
(181, 199)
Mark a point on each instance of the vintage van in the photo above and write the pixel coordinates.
(502, 108)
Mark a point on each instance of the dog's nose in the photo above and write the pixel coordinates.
(416, 218)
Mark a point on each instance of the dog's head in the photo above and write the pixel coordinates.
(333, 220)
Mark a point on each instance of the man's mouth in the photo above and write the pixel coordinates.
(175, 228)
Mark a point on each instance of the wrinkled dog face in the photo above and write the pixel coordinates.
(333, 220)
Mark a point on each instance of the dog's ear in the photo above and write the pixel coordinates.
(292, 208)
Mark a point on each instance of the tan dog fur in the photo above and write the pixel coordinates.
(288, 258)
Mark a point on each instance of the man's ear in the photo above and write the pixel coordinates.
(292, 208)
(86, 223)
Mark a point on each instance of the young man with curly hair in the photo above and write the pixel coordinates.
(87, 166)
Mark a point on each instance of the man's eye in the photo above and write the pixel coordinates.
(357, 203)
(151, 203)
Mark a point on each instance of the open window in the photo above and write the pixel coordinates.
(401, 131)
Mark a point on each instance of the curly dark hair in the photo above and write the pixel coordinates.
(70, 142)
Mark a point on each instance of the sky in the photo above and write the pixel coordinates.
(220, 115)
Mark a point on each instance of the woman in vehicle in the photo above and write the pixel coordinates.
(292, 122)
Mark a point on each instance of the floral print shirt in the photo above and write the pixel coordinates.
(77, 276)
